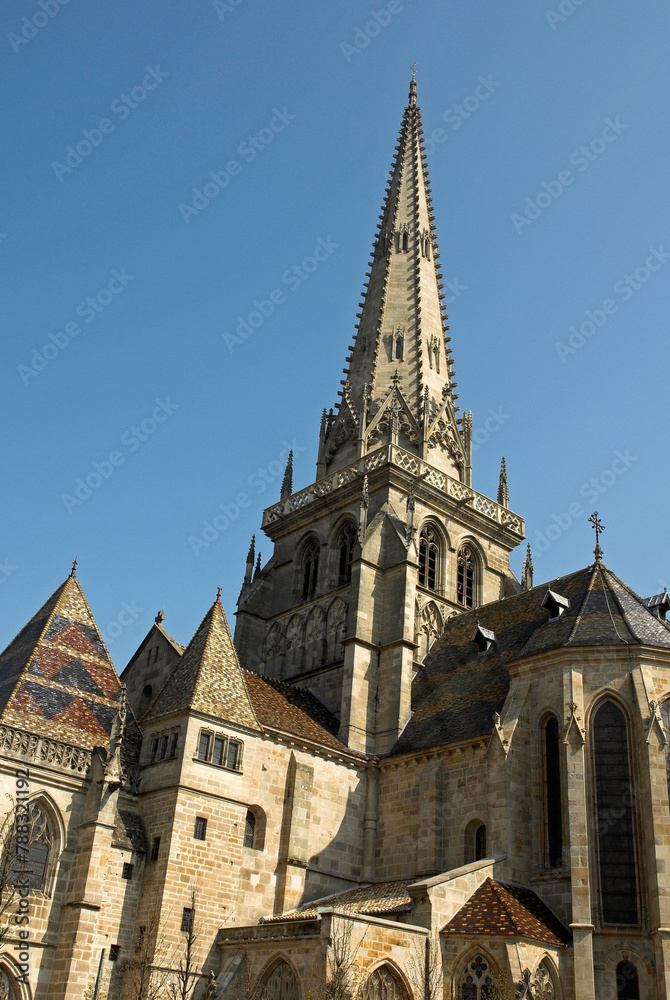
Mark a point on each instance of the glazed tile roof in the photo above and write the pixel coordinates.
(457, 691)
(289, 709)
(57, 680)
(382, 899)
(208, 677)
(502, 910)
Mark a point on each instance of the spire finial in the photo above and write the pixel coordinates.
(218, 595)
(527, 570)
(413, 71)
(503, 489)
(258, 566)
(598, 526)
(287, 482)
(412, 87)
(73, 571)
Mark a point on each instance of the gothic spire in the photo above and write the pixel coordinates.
(503, 489)
(402, 326)
(527, 570)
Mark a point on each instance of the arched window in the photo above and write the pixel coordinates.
(249, 829)
(627, 983)
(614, 816)
(345, 550)
(429, 626)
(428, 558)
(281, 983)
(8, 988)
(477, 982)
(480, 842)
(465, 577)
(398, 345)
(310, 570)
(552, 794)
(385, 984)
(32, 860)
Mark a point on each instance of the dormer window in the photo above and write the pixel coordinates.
(483, 638)
(658, 605)
(556, 604)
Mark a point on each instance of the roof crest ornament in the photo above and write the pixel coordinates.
(598, 526)
(73, 571)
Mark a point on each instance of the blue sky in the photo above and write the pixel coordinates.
(548, 156)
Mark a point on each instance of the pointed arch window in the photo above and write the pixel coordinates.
(385, 984)
(465, 577)
(480, 842)
(552, 794)
(429, 552)
(477, 982)
(8, 988)
(345, 552)
(33, 847)
(310, 568)
(281, 983)
(614, 816)
(249, 829)
(398, 346)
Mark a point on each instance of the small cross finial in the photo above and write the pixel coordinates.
(598, 527)
(414, 71)
(395, 378)
(73, 571)
(218, 595)
(160, 618)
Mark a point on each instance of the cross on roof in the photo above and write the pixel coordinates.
(414, 71)
(598, 527)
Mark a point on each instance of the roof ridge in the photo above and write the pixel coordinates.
(622, 613)
(495, 886)
(582, 610)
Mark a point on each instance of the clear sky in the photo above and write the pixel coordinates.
(165, 166)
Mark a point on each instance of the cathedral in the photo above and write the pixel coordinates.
(408, 774)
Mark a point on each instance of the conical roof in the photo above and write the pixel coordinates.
(56, 677)
(208, 677)
(399, 369)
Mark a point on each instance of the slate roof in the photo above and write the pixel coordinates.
(498, 909)
(289, 709)
(383, 899)
(457, 691)
(208, 677)
(57, 680)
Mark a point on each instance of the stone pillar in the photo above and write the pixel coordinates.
(431, 819)
(294, 846)
(578, 835)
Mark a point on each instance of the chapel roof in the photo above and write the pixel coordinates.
(381, 899)
(458, 688)
(57, 679)
(498, 909)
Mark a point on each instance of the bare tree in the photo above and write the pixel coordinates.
(425, 970)
(342, 980)
(145, 976)
(185, 978)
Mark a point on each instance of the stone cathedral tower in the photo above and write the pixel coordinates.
(391, 539)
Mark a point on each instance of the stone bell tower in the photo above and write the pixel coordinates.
(391, 539)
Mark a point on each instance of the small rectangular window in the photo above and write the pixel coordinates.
(155, 849)
(114, 950)
(219, 750)
(203, 746)
(162, 752)
(200, 828)
(233, 756)
(127, 870)
(186, 919)
(174, 743)
(154, 748)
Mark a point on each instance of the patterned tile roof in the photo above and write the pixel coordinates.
(372, 900)
(501, 910)
(208, 677)
(289, 709)
(57, 680)
(458, 689)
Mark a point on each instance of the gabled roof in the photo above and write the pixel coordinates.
(498, 909)
(56, 677)
(289, 709)
(208, 677)
(457, 691)
(382, 899)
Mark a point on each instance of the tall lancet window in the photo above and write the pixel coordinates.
(310, 565)
(345, 546)
(428, 558)
(552, 794)
(614, 816)
(398, 345)
(465, 577)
